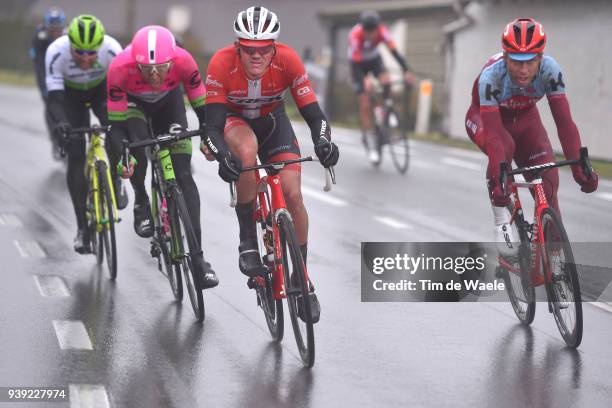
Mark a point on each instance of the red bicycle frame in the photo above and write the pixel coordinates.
(536, 278)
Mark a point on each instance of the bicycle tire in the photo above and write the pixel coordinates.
(107, 235)
(183, 233)
(272, 308)
(397, 135)
(92, 221)
(557, 247)
(520, 290)
(163, 242)
(303, 330)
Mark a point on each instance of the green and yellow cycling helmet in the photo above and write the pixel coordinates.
(86, 32)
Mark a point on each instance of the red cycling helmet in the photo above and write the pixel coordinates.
(523, 39)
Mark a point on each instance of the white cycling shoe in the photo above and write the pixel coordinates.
(507, 243)
(374, 156)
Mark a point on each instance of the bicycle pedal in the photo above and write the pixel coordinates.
(155, 250)
(252, 284)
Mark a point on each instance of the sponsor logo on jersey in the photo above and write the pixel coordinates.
(115, 93)
(299, 80)
(195, 80)
(238, 92)
(262, 100)
(213, 82)
(303, 91)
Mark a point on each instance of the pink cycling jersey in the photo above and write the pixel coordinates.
(124, 79)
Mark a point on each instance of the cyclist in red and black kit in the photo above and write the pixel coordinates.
(245, 117)
(365, 58)
(504, 122)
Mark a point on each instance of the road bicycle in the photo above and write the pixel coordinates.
(285, 275)
(544, 255)
(174, 242)
(101, 204)
(390, 126)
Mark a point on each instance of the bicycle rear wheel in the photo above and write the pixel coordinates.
(186, 249)
(397, 136)
(107, 234)
(162, 240)
(564, 289)
(293, 264)
(272, 308)
(520, 290)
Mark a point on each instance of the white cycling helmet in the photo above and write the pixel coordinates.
(257, 23)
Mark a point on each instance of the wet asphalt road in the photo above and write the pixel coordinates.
(135, 347)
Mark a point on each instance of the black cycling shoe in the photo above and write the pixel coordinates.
(143, 221)
(315, 306)
(81, 242)
(249, 261)
(208, 277)
(120, 193)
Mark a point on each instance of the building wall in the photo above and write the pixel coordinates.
(579, 37)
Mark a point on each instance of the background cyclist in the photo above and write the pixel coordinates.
(144, 84)
(52, 28)
(363, 41)
(245, 117)
(504, 122)
(75, 67)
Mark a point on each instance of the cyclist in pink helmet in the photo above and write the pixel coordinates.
(144, 88)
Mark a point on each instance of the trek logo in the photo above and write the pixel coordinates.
(212, 146)
(490, 93)
(323, 128)
(260, 100)
(115, 93)
(195, 80)
(299, 80)
(554, 85)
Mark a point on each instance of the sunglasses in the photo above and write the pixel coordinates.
(85, 52)
(261, 50)
(155, 68)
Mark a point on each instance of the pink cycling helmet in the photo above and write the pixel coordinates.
(153, 45)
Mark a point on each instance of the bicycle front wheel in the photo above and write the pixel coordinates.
(397, 136)
(272, 308)
(186, 251)
(107, 233)
(518, 285)
(162, 239)
(297, 290)
(563, 288)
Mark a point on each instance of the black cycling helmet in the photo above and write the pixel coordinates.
(369, 20)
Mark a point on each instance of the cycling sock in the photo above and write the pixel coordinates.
(501, 215)
(244, 212)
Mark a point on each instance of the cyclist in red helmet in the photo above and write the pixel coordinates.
(504, 122)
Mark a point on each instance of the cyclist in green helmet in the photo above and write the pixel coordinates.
(75, 73)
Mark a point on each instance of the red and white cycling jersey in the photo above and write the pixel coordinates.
(227, 83)
(361, 50)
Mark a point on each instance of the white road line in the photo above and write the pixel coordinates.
(72, 335)
(602, 305)
(51, 286)
(10, 220)
(393, 223)
(451, 161)
(29, 249)
(21, 250)
(325, 197)
(88, 396)
(604, 196)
